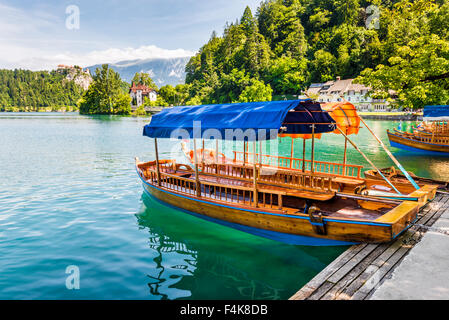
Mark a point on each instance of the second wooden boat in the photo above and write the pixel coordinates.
(397, 176)
(419, 143)
(431, 137)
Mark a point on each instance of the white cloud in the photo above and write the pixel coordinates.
(113, 55)
(35, 40)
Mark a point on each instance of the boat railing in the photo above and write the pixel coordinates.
(273, 176)
(330, 168)
(215, 191)
(434, 139)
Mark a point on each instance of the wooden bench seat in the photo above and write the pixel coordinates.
(354, 181)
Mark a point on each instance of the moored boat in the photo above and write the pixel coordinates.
(431, 136)
(397, 176)
(346, 178)
(299, 208)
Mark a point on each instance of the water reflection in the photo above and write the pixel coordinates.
(197, 259)
(173, 262)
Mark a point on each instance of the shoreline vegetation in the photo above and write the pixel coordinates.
(396, 47)
(278, 51)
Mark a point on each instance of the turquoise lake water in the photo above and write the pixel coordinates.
(70, 196)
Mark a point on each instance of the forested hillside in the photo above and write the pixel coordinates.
(22, 90)
(288, 44)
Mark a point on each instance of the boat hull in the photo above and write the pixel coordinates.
(279, 226)
(408, 144)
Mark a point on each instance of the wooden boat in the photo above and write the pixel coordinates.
(430, 137)
(289, 206)
(419, 143)
(346, 178)
(398, 177)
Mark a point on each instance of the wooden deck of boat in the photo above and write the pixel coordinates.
(361, 269)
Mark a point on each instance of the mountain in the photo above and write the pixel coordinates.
(162, 71)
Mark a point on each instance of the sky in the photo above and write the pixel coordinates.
(39, 35)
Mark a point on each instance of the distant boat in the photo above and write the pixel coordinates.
(430, 137)
(292, 206)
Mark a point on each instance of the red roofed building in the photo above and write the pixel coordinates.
(138, 92)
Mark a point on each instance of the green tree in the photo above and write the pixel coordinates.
(418, 66)
(105, 95)
(256, 91)
(144, 78)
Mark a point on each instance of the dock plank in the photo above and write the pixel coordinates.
(361, 269)
(321, 277)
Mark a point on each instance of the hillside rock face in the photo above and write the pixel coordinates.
(81, 78)
(162, 71)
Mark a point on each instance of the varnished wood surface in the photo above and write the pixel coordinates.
(440, 144)
(231, 200)
(398, 177)
(360, 270)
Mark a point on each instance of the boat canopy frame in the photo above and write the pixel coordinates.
(256, 121)
(252, 121)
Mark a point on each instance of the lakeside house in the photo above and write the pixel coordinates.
(339, 90)
(139, 92)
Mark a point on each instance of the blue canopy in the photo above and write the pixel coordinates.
(436, 113)
(240, 121)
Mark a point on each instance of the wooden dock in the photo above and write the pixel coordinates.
(361, 269)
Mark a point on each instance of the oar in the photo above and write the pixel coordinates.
(368, 160)
(409, 178)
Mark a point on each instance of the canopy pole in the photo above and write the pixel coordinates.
(256, 195)
(260, 154)
(244, 152)
(312, 169)
(368, 160)
(291, 152)
(409, 178)
(158, 172)
(216, 151)
(202, 156)
(197, 178)
(303, 155)
(344, 156)
(216, 156)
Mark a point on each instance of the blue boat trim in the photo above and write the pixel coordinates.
(433, 144)
(272, 235)
(422, 151)
(378, 224)
(400, 198)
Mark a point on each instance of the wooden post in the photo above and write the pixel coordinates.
(158, 172)
(256, 195)
(216, 156)
(202, 156)
(197, 178)
(303, 155)
(313, 149)
(291, 152)
(344, 155)
(244, 152)
(260, 154)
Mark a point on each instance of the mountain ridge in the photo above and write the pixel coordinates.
(162, 71)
